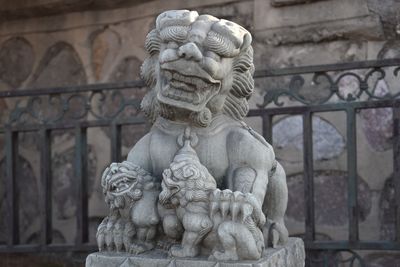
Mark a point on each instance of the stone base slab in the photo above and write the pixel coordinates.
(291, 255)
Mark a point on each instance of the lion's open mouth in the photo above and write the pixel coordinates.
(121, 185)
(192, 90)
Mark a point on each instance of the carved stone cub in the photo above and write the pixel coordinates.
(225, 222)
(131, 194)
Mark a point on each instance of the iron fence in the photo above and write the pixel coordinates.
(285, 97)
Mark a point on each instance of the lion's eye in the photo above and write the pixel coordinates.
(172, 45)
(213, 55)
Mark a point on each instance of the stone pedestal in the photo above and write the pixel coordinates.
(291, 255)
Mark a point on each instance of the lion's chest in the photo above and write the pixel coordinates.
(211, 151)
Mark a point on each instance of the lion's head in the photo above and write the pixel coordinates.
(199, 66)
(186, 179)
(124, 183)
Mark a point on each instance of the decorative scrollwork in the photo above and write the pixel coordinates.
(59, 107)
(361, 90)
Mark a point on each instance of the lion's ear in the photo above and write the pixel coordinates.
(246, 41)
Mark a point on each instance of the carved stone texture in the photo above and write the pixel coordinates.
(240, 12)
(199, 178)
(59, 66)
(127, 70)
(131, 193)
(29, 205)
(315, 22)
(330, 197)
(387, 211)
(64, 185)
(290, 255)
(328, 143)
(204, 212)
(316, 257)
(105, 47)
(377, 124)
(16, 61)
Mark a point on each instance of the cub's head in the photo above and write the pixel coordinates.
(124, 183)
(186, 179)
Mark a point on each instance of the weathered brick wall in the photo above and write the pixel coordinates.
(106, 45)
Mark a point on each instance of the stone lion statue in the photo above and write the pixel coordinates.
(131, 193)
(200, 71)
(223, 222)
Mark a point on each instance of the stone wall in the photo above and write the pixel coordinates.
(104, 43)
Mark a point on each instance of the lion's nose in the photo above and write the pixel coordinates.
(190, 51)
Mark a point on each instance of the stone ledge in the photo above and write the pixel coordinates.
(291, 255)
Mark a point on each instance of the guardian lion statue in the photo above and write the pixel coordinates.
(200, 71)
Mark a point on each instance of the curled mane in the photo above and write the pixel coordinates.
(236, 103)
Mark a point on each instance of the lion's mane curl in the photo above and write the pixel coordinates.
(236, 102)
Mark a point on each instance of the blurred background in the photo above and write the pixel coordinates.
(69, 105)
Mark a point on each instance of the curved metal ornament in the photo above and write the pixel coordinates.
(297, 84)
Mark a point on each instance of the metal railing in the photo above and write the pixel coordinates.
(283, 98)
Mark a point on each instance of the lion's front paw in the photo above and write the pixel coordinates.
(137, 248)
(181, 252)
(115, 234)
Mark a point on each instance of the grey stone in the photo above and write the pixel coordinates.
(316, 257)
(328, 143)
(59, 66)
(315, 22)
(290, 255)
(64, 186)
(127, 70)
(199, 179)
(16, 61)
(330, 198)
(377, 123)
(388, 12)
(240, 12)
(40, 8)
(106, 45)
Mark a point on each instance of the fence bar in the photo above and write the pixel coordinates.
(82, 235)
(352, 174)
(45, 187)
(12, 199)
(267, 127)
(115, 142)
(396, 165)
(308, 176)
